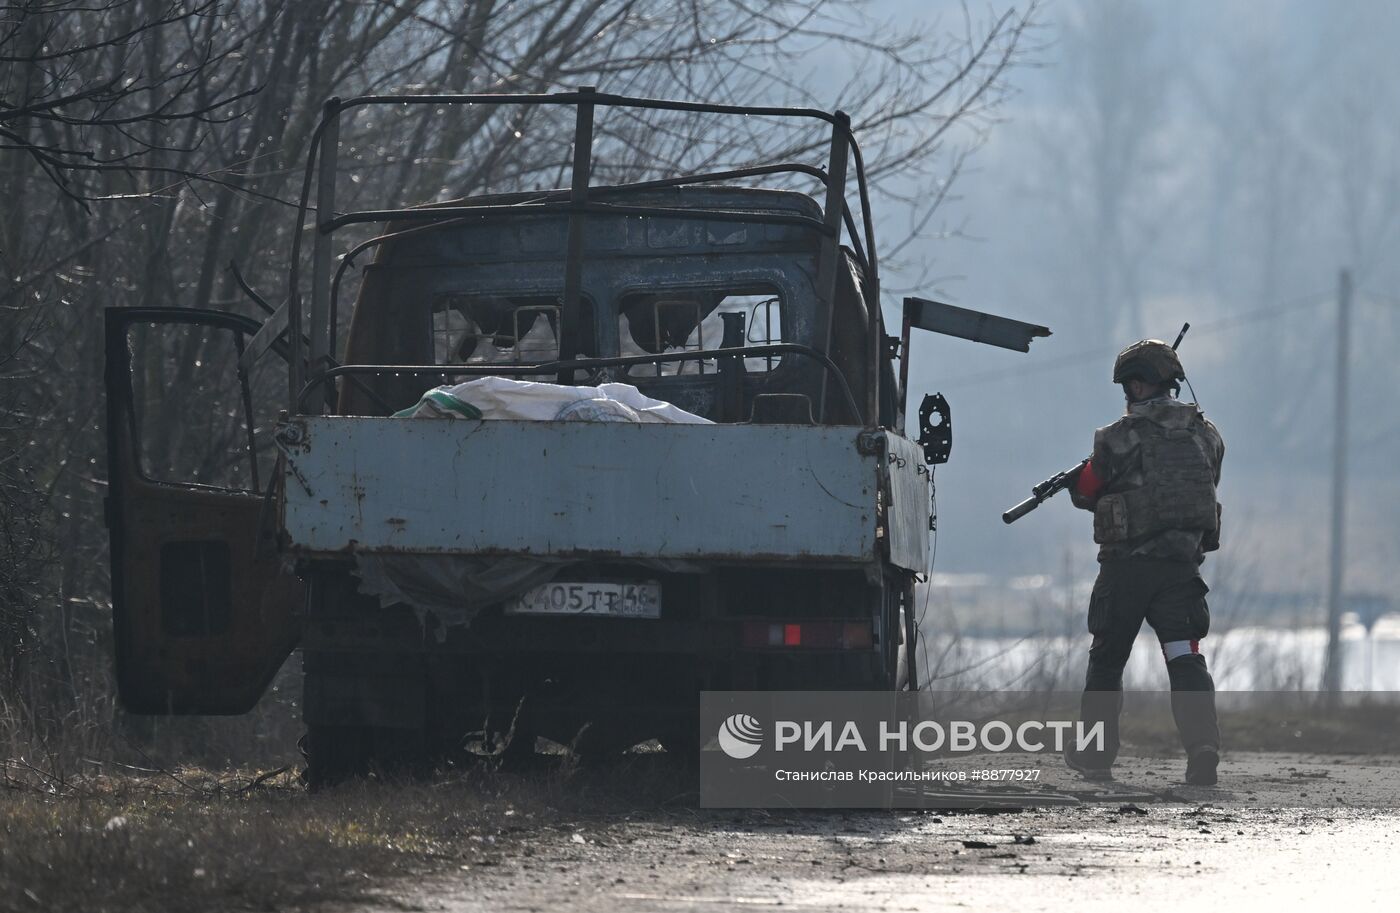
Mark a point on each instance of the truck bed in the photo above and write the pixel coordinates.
(585, 489)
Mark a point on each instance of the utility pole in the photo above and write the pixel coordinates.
(1332, 672)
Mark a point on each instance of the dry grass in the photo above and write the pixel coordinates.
(190, 840)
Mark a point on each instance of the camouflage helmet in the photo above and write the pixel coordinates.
(1150, 360)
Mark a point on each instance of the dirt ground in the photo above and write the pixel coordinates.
(1280, 832)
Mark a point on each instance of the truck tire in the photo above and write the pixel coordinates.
(334, 754)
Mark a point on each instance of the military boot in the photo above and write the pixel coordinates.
(1077, 762)
(1201, 764)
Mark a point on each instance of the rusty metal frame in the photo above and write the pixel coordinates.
(321, 167)
(118, 375)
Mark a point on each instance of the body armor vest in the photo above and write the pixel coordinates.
(1167, 482)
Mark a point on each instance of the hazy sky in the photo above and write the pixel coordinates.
(1202, 161)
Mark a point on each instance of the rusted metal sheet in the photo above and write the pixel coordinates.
(713, 492)
(950, 320)
(910, 506)
(202, 616)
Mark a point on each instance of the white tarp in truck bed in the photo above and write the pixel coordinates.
(455, 587)
(498, 398)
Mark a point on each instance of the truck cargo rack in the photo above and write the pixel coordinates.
(578, 201)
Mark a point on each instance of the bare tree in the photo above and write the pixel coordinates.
(1103, 165)
(146, 144)
(93, 89)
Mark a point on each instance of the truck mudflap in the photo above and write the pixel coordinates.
(817, 494)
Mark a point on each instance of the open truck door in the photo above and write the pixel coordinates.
(204, 613)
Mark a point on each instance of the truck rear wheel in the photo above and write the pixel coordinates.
(335, 754)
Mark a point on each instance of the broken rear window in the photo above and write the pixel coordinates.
(689, 320)
(499, 329)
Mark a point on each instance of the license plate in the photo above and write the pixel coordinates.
(619, 600)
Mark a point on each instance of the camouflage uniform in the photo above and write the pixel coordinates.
(1155, 517)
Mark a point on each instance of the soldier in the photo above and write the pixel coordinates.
(1151, 485)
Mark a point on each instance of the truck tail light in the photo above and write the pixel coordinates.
(817, 635)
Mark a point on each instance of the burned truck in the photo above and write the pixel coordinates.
(502, 580)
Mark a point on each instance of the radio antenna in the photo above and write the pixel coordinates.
(1179, 336)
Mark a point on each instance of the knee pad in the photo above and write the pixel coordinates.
(1176, 649)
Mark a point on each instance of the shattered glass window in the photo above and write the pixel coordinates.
(651, 323)
(496, 329)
